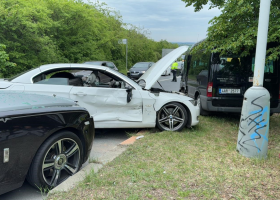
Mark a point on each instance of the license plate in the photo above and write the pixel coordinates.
(229, 91)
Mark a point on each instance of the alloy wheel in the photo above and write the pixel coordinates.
(61, 161)
(172, 117)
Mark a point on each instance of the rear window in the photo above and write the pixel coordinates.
(235, 65)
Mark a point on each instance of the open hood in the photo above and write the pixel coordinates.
(153, 74)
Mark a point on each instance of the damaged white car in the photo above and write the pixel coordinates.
(114, 100)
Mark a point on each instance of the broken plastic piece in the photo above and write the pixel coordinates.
(139, 137)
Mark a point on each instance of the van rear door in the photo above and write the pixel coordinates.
(229, 74)
(232, 75)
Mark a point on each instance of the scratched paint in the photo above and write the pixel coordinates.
(254, 123)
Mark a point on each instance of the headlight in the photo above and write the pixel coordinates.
(194, 102)
(143, 72)
(128, 71)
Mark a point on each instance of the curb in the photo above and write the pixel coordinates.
(72, 181)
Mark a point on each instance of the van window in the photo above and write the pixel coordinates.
(269, 66)
(235, 65)
(199, 62)
(226, 65)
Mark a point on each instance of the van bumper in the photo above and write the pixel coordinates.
(206, 104)
(277, 109)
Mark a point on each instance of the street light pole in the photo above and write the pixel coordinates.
(126, 55)
(254, 123)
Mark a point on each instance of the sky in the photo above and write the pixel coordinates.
(165, 19)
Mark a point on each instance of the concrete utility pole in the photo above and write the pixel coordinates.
(124, 41)
(254, 123)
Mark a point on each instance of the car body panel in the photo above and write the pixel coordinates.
(109, 104)
(153, 74)
(24, 128)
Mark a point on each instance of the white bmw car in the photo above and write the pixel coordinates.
(114, 100)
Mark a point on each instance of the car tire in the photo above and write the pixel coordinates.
(58, 158)
(202, 111)
(172, 114)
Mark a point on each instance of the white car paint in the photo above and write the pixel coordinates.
(167, 71)
(108, 106)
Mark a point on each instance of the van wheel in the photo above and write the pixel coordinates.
(202, 111)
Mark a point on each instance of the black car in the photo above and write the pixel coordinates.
(43, 139)
(218, 82)
(103, 63)
(137, 70)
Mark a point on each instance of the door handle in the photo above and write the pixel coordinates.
(80, 94)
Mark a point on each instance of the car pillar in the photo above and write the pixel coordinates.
(254, 122)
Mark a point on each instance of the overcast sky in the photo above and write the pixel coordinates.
(165, 19)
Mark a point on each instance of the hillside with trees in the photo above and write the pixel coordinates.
(37, 32)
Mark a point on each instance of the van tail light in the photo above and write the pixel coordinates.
(209, 89)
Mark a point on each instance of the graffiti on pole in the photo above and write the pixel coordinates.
(253, 129)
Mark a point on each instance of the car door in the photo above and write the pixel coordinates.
(109, 104)
(51, 90)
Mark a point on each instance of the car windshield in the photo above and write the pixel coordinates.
(141, 66)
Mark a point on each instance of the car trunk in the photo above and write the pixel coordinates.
(232, 75)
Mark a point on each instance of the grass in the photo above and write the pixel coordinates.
(198, 163)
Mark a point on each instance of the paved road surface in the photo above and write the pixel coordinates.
(104, 141)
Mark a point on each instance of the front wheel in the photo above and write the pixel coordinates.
(57, 159)
(172, 117)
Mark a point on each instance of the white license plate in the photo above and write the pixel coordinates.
(229, 91)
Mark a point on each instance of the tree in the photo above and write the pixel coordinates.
(236, 28)
(6, 67)
(38, 32)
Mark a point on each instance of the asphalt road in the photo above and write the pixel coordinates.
(105, 140)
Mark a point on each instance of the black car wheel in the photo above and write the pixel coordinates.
(172, 117)
(202, 111)
(57, 159)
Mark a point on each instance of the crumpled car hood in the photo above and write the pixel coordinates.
(153, 74)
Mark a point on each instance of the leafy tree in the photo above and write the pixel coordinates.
(5, 65)
(38, 32)
(236, 28)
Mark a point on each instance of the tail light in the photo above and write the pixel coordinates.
(209, 89)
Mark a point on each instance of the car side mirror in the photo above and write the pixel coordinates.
(129, 95)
